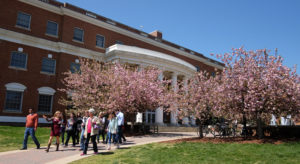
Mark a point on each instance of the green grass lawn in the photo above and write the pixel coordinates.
(11, 138)
(187, 152)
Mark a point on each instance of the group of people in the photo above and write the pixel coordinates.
(80, 129)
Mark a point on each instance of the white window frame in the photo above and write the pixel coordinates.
(48, 91)
(103, 41)
(56, 31)
(82, 35)
(22, 26)
(15, 87)
(49, 72)
(15, 67)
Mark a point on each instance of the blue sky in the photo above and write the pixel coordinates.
(212, 26)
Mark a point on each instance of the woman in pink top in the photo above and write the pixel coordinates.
(91, 131)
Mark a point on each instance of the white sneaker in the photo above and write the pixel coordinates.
(108, 147)
(118, 146)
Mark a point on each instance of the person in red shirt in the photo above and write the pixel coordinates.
(31, 126)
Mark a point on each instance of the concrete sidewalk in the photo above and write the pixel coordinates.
(69, 154)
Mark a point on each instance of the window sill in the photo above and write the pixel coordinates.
(47, 73)
(9, 111)
(77, 41)
(17, 68)
(28, 29)
(44, 113)
(54, 36)
(101, 48)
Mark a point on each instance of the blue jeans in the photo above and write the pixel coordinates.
(119, 134)
(30, 131)
(82, 139)
(110, 136)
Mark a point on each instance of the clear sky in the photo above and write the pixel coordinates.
(212, 26)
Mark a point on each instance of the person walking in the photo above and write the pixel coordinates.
(112, 129)
(63, 128)
(82, 139)
(120, 118)
(78, 127)
(71, 128)
(55, 129)
(91, 131)
(101, 132)
(31, 127)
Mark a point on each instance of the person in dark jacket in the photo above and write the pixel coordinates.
(71, 128)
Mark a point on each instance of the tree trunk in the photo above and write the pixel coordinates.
(245, 130)
(200, 129)
(259, 130)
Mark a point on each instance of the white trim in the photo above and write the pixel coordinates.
(76, 15)
(57, 29)
(15, 87)
(16, 119)
(28, 40)
(145, 56)
(46, 91)
(28, 28)
(103, 41)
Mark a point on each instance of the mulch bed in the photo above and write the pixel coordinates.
(239, 140)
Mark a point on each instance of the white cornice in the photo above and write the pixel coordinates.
(143, 56)
(28, 40)
(76, 15)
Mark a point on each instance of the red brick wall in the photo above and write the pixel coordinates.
(32, 78)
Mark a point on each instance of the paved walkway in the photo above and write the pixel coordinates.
(69, 154)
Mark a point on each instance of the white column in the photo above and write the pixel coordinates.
(139, 117)
(185, 120)
(159, 112)
(174, 85)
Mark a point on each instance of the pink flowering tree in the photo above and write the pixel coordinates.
(88, 87)
(255, 85)
(109, 87)
(197, 98)
(135, 90)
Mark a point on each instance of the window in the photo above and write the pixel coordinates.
(119, 42)
(48, 65)
(45, 103)
(23, 20)
(13, 101)
(45, 99)
(213, 74)
(18, 60)
(78, 34)
(14, 96)
(198, 68)
(52, 28)
(75, 67)
(99, 41)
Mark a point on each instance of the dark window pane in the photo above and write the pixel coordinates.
(99, 41)
(198, 68)
(45, 103)
(52, 28)
(48, 65)
(119, 42)
(78, 34)
(13, 101)
(75, 67)
(18, 60)
(23, 20)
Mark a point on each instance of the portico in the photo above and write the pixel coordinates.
(174, 69)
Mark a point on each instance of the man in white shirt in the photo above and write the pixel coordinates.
(120, 118)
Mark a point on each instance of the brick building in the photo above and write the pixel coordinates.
(41, 39)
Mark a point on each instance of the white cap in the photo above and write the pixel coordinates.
(91, 110)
